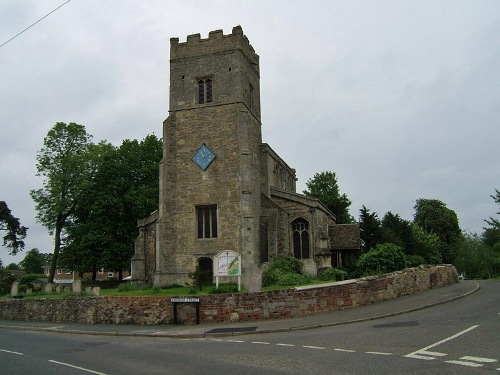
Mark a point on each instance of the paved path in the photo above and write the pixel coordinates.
(426, 299)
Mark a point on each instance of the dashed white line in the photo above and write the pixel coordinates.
(312, 347)
(10, 352)
(344, 350)
(379, 353)
(285, 345)
(77, 367)
(260, 342)
(235, 341)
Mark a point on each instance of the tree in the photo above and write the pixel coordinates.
(491, 236)
(34, 261)
(15, 232)
(433, 216)
(371, 232)
(396, 230)
(495, 223)
(383, 258)
(426, 245)
(475, 258)
(324, 187)
(13, 267)
(62, 162)
(125, 187)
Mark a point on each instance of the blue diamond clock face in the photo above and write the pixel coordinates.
(203, 157)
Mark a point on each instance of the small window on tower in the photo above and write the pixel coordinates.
(204, 91)
(201, 92)
(209, 90)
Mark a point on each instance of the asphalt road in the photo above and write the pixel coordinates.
(460, 337)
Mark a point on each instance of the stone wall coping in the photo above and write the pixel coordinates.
(326, 285)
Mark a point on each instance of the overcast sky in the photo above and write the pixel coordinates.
(401, 99)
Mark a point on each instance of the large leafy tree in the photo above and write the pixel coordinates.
(324, 186)
(370, 228)
(33, 261)
(475, 258)
(396, 230)
(13, 239)
(63, 163)
(125, 187)
(433, 216)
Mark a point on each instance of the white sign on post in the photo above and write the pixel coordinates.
(227, 263)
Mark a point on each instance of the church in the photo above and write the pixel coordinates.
(221, 187)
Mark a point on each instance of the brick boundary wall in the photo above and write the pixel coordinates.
(285, 303)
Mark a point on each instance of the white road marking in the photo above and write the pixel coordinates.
(435, 354)
(8, 351)
(379, 353)
(260, 342)
(418, 353)
(478, 359)
(235, 341)
(313, 347)
(463, 363)
(77, 367)
(345, 350)
(284, 345)
(416, 356)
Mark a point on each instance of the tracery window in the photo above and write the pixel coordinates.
(300, 228)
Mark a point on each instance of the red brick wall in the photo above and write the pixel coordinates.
(226, 307)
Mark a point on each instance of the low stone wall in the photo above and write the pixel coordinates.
(231, 307)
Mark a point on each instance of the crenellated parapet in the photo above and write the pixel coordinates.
(216, 42)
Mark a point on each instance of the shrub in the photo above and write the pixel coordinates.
(287, 265)
(200, 277)
(415, 260)
(270, 276)
(292, 279)
(333, 274)
(384, 258)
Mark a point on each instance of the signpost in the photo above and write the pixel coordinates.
(227, 263)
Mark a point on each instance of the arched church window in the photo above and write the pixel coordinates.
(300, 228)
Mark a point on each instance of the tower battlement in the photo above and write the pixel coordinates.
(216, 42)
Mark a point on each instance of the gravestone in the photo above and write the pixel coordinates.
(14, 289)
(77, 286)
(252, 279)
(47, 288)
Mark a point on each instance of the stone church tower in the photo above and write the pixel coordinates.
(210, 172)
(221, 188)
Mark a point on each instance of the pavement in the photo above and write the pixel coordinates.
(415, 302)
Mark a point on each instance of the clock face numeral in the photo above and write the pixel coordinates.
(203, 157)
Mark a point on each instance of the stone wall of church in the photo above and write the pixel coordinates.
(275, 172)
(319, 221)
